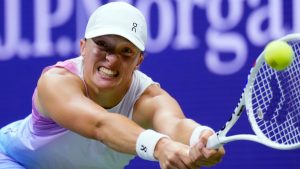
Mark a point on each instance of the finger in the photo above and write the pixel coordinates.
(179, 160)
(197, 157)
(198, 164)
(188, 164)
(216, 155)
(207, 163)
(208, 153)
(211, 157)
(178, 165)
(168, 165)
(204, 137)
(187, 161)
(195, 152)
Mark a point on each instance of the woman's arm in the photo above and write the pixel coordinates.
(158, 110)
(61, 96)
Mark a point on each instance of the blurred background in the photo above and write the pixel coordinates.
(200, 51)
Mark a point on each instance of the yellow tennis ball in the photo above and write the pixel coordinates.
(278, 54)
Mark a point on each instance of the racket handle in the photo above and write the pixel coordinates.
(213, 142)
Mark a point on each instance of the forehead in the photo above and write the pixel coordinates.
(113, 39)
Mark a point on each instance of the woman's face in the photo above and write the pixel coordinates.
(109, 61)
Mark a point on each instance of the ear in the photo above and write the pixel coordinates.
(82, 47)
(140, 60)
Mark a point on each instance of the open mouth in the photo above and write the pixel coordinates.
(107, 72)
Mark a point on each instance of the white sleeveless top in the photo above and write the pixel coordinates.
(39, 143)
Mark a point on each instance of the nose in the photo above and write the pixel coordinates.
(111, 58)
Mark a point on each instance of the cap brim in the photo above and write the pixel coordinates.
(119, 32)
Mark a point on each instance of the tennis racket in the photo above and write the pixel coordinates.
(272, 102)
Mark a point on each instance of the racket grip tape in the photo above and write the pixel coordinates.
(213, 142)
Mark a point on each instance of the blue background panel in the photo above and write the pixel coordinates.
(199, 51)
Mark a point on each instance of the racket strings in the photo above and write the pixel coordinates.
(276, 101)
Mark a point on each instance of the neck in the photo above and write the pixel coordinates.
(108, 98)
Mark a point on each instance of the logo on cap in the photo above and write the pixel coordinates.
(134, 26)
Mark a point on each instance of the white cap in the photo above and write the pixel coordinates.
(118, 18)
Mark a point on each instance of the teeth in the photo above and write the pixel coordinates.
(108, 72)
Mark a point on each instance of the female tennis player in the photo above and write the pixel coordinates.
(99, 111)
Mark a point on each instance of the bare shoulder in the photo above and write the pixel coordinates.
(58, 76)
(59, 82)
(55, 86)
(58, 71)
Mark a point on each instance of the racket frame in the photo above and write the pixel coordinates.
(219, 138)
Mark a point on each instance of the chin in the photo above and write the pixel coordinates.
(105, 84)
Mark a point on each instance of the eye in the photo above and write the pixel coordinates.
(101, 44)
(127, 51)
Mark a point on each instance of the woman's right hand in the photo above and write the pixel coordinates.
(173, 154)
